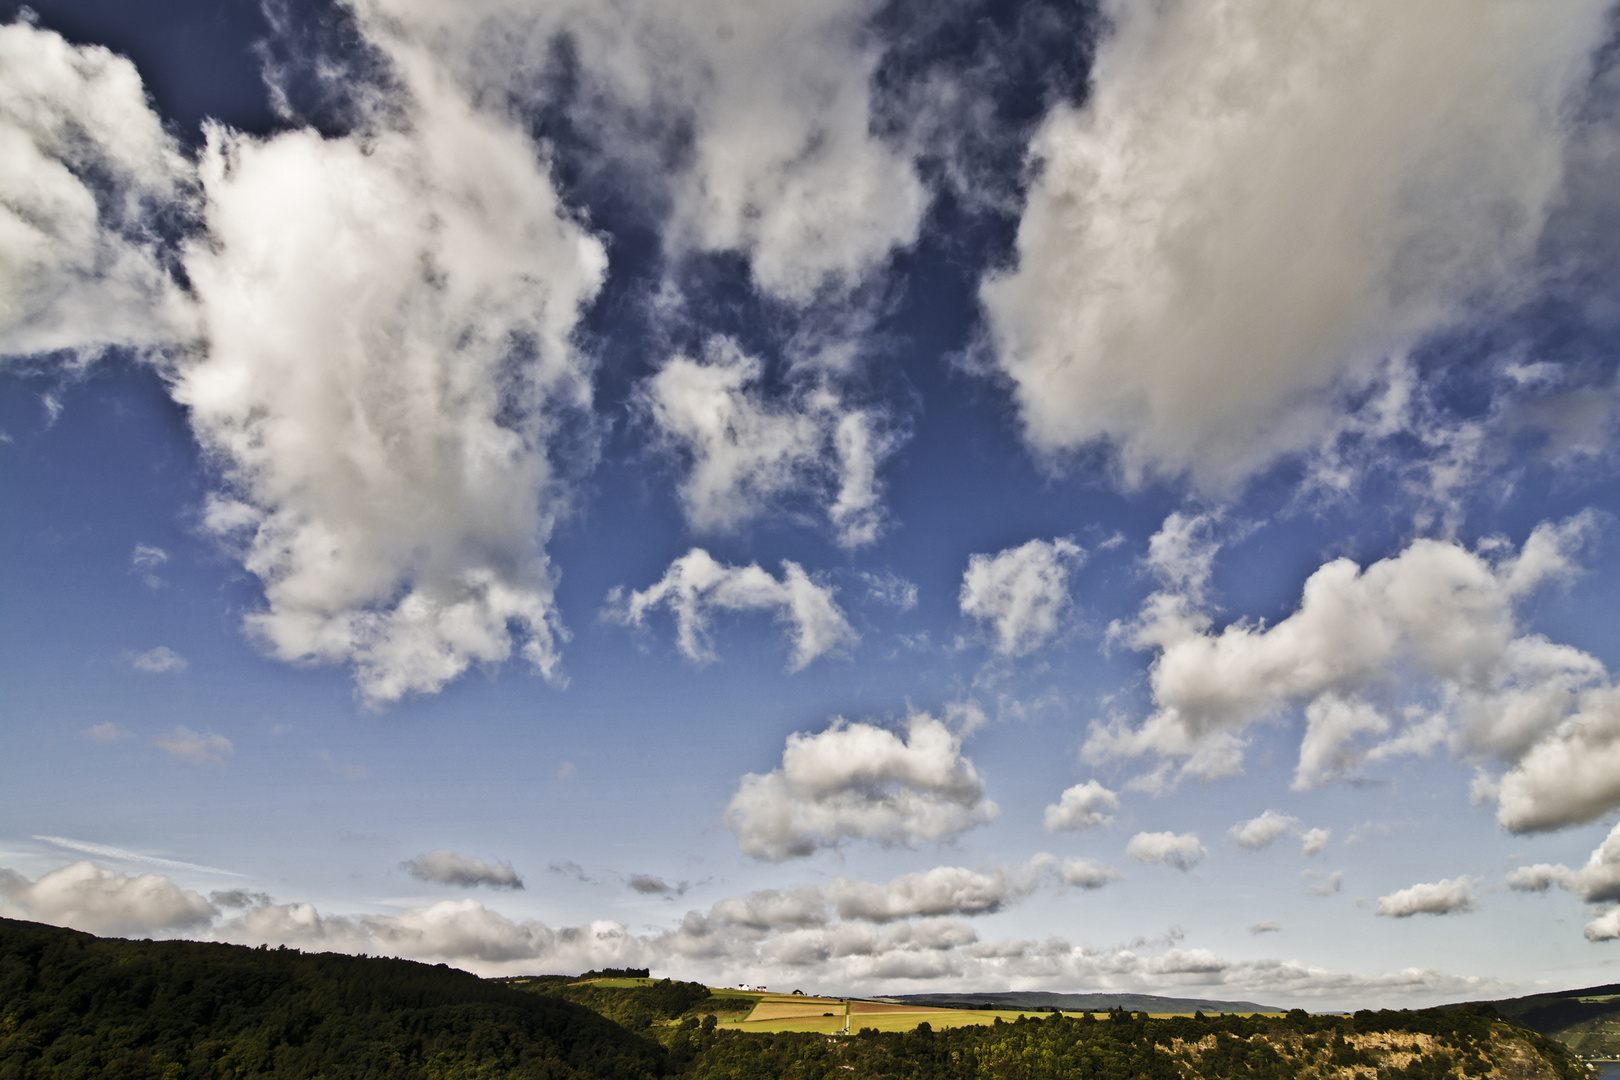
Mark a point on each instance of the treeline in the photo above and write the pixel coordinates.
(1131, 1046)
(638, 1008)
(72, 1005)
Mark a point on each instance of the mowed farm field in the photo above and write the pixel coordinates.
(791, 1012)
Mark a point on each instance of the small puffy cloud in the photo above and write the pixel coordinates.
(1021, 593)
(89, 170)
(1313, 841)
(448, 867)
(771, 909)
(1413, 155)
(1324, 884)
(1182, 851)
(1267, 927)
(1537, 878)
(744, 451)
(1264, 830)
(695, 586)
(1606, 927)
(158, 661)
(651, 885)
(1086, 874)
(1182, 553)
(87, 897)
(1447, 897)
(1082, 806)
(107, 731)
(195, 747)
(944, 890)
(860, 781)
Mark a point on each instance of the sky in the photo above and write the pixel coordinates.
(869, 497)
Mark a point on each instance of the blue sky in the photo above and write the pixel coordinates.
(872, 497)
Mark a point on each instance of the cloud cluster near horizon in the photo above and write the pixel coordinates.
(849, 932)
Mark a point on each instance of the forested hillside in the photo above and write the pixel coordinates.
(72, 1005)
(1587, 1021)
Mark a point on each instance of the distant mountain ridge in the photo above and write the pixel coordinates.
(1040, 999)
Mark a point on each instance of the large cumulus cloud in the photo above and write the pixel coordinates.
(90, 175)
(1421, 648)
(1256, 205)
(88, 897)
(389, 364)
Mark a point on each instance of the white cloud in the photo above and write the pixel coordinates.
(1435, 619)
(944, 890)
(158, 661)
(1022, 592)
(1083, 806)
(1255, 205)
(773, 909)
(1264, 830)
(1605, 927)
(1181, 851)
(779, 935)
(890, 588)
(148, 557)
(1571, 776)
(860, 781)
(1596, 882)
(1313, 841)
(1182, 553)
(779, 158)
(86, 897)
(1267, 927)
(1446, 897)
(453, 868)
(744, 451)
(1085, 874)
(107, 731)
(1537, 878)
(196, 748)
(695, 585)
(389, 368)
(88, 168)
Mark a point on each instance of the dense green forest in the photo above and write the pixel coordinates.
(73, 1005)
